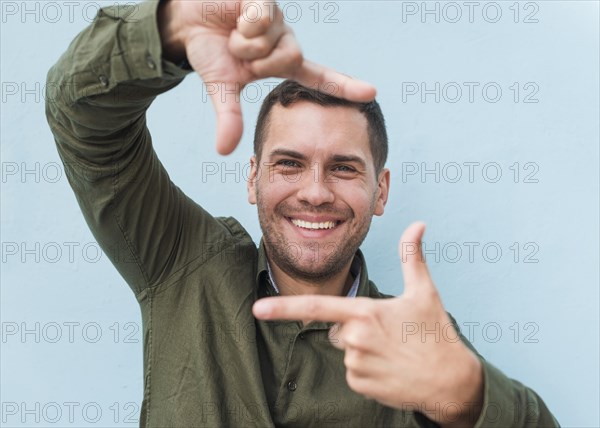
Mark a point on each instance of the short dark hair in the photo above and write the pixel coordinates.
(289, 92)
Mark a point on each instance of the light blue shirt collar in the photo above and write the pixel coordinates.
(355, 269)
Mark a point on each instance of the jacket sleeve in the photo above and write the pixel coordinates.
(98, 94)
(507, 402)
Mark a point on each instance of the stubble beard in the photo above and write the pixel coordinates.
(310, 261)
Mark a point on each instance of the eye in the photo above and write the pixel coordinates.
(288, 163)
(343, 168)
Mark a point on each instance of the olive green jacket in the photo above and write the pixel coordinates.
(207, 361)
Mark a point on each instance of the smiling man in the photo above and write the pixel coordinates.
(291, 333)
(323, 185)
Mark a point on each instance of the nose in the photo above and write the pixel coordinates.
(315, 189)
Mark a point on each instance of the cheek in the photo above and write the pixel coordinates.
(356, 196)
(272, 192)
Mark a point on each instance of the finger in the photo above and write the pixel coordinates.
(331, 82)
(363, 385)
(361, 364)
(314, 308)
(283, 60)
(255, 47)
(286, 60)
(359, 335)
(414, 269)
(257, 17)
(229, 118)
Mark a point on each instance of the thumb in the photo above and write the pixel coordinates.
(414, 269)
(229, 118)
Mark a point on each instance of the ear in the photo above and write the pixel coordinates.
(383, 190)
(251, 183)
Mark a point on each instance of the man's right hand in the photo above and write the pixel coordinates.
(232, 43)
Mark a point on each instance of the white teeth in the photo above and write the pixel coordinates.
(309, 225)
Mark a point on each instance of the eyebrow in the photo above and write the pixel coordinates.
(334, 158)
(349, 159)
(287, 152)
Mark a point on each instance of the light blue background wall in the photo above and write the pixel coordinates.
(546, 311)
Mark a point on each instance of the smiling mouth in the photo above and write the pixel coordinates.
(314, 226)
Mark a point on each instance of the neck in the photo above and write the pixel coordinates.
(338, 285)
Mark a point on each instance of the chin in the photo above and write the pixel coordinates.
(308, 263)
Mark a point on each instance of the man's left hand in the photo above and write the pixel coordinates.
(403, 352)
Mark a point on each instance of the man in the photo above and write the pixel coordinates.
(217, 350)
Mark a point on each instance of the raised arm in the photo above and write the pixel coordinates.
(407, 352)
(99, 92)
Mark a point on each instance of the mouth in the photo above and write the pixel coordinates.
(314, 228)
(303, 224)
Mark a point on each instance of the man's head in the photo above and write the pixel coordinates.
(317, 177)
(289, 92)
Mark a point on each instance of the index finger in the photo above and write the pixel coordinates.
(329, 81)
(315, 308)
(257, 16)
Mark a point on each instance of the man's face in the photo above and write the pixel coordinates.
(315, 188)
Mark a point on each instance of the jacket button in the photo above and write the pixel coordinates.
(302, 336)
(150, 62)
(292, 385)
(103, 79)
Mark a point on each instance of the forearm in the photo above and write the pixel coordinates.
(504, 402)
(509, 403)
(468, 396)
(101, 88)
